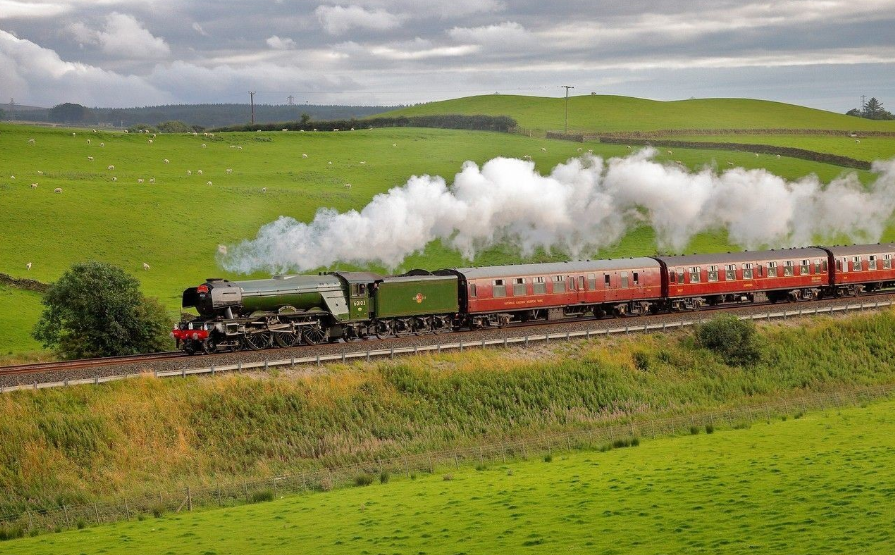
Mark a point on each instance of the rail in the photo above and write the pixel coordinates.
(460, 345)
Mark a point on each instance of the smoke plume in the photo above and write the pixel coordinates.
(582, 205)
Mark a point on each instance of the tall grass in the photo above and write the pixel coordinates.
(72, 445)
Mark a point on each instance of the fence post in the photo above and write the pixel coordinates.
(368, 355)
(461, 345)
(265, 366)
(189, 499)
(30, 520)
(64, 510)
(96, 511)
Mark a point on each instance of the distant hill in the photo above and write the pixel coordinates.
(209, 115)
(622, 113)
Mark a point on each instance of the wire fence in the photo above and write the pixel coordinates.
(618, 432)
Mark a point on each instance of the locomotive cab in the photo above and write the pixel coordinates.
(215, 296)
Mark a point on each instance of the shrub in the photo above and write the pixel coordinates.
(735, 340)
(363, 479)
(548, 458)
(635, 441)
(448, 477)
(694, 430)
(262, 495)
(384, 477)
(481, 466)
(158, 511)
(641, 360)
(11, 532)
(709, 428)
(81, 524)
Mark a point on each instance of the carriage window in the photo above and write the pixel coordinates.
(472, 290)
(823, 265)
(842, 265)
(636, 278)
(787, 268)
(606, 280)
(540, 286)
(559, 284)
(804, 269)
(680, 276)
(817, 269)
(694, 274)
(624, 279)
(856, 265)
(887, 262)
(518, 286)
(772, 269)
(872, 265)
(672, 277)
(581, 283)
(731, 272)
(592, 282)
(499, 289)
(713, 273)
(747, 271)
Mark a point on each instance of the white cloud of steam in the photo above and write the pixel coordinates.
(582, 205)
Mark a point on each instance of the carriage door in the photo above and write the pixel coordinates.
(359, 301)
(581, 290)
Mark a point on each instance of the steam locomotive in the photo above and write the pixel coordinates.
(292, 310)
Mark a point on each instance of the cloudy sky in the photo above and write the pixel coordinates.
(820, 53)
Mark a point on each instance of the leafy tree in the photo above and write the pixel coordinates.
(734, 339)
(873, 109)
(2, 113)
(70, 113)
(96, 309)
(174, 126)
(305, 118)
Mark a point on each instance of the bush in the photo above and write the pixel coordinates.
(262, 495)
(734, 339)
(641, 360)
(448, 477)
(548, 458)
(158, 511)
(81, 524)
(694, 430)
(709, 428)
(384, 477)
(363, 479)
(11, 532)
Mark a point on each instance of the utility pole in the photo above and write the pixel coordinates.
(862, 102)
(252, 100)
(12, 106)
(291, 99)
(567, 87)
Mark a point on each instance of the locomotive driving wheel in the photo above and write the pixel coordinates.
(258, 340)
(287, 339)
(314, 335)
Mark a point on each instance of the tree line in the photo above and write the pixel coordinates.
(872, 109)
(501, 124)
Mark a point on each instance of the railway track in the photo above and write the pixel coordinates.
(31, 374)
(64, 365)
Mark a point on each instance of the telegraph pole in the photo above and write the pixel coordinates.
(567, 87)
(291, 99)
(252, 100)
(862, 102)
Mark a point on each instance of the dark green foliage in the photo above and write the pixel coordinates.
(445, 121)
(11, 532)
(548, 458)
(694, 430)
(158, 511)
(873, 109)
(95, 309)
(709, 428)
(363, 480)
(641, 360)
(71, 113)
(174, 126)
(384, 477)
(734, 339)
(262, 495)
(81, 524)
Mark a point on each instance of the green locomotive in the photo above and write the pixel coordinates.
(298, 309)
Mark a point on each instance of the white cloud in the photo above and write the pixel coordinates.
(198, 28)
(337, 19)
(508, 34)
(13, 9)
(39, 74)
(277, 43)
(122, 37)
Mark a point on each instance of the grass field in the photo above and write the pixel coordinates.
(18, 312)
(175, 224)
(818, 484)
(869, 149)
(623, 113)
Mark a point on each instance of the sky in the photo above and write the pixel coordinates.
(122, 53)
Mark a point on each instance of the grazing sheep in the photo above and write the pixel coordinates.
(167, 161)
(211, 135)
(756, 155)
(348, 185)
(222, 249)
(30, 141)
(239, 148)
(678, 162)
(94, 130)
(150, 141)
(362, 162)
(195, 134)
(335, 129)
(204, 145)
(111, 167)
(73, 134)
(12, 177)
(394, 144)
(232, 146)
(543, 149)
(199, 172)
(152, 180)
(778, 156)
(669, 152)
(209, 183)
(628, 147)
(145, 266)
(229, 170)
(140, 180)
(205, 134)
(590, 151)
(153, 135)
(126, 131)
(57, 190)
(189, 172)
(90, 158)
(284, 130)
(330, 163)
(579, 149)
(28, 265)
(263, 189)
(352, 129)
(34, 185)
(39, 172)
(857, 140)
(102, 144)
(729, 163)
(304, 155)
(88, 141)
(114, 178)
(527, 157)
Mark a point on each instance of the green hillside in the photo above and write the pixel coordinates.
(622, 113)
(818, 484)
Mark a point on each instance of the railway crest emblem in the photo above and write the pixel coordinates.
(419, 298)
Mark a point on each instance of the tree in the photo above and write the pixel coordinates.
(734, 339)
(174, 126)
(70, 113)
(96, 309)
(2, 114)
(305, 118)
(872, 109)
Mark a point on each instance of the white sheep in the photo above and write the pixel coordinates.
(88, 141)
(579, 149)
(330, 163)
(348, 185)
(362, 162)
(393, 144)
(39, 172)
(114, 178)
(102, 144)
(73, 134)
(205, 134)
(189, 172)
(125, 131)
(543, 149)
(57, 190)
(140, 180)
(239, 148)
(30, 141)
(284, 130)
(34, 185)
(204, 145)
(352, 129)
(669, 152)
(90, 158)
(199, 172)
(590, 151)
(335, 129)
(167, 161)
(778, 156)
(110, 168)
(628, 147)
(153, 135)
(152, 180)
(527, 157)
(303, 155)
(222, 249)
(150, 141)
(145, 266)
(195, 134)
(857, 140)
(209, 183)
(756, 155)
(729, 163)
(12, 177)
(94, 130)
(211, 135)
(263, 189)
(28, 265)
